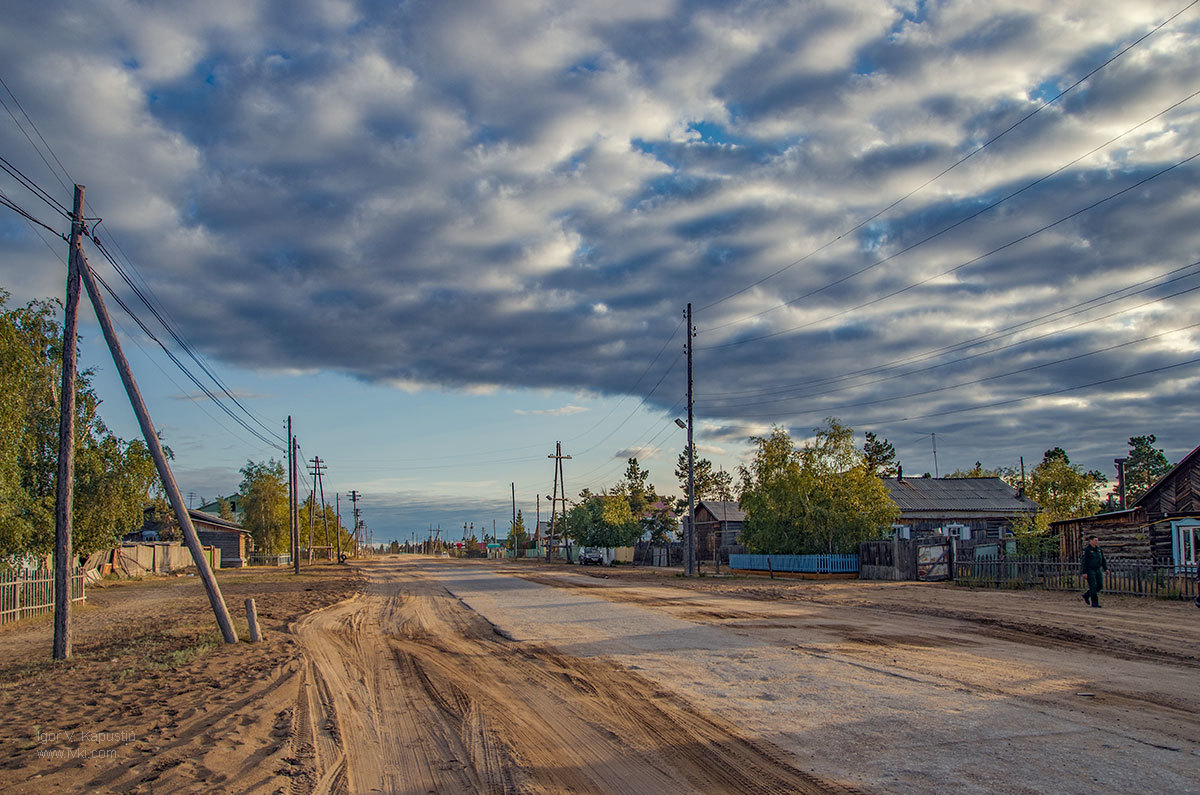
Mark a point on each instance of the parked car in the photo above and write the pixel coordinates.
(592, 557)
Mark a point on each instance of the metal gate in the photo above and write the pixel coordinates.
(933, 560)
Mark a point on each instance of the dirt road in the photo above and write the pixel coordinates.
(449, 676)
(413, 692)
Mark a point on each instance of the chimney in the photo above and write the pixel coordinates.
(899, 473)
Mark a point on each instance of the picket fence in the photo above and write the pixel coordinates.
(1161, 579)
(800, 564)
(25, 593)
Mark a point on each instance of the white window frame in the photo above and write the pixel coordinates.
(957, 530)
(1185, 544)
(901, 531)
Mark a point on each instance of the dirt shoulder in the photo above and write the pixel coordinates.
(151, 698)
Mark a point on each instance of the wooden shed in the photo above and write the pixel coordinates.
(1161, 525)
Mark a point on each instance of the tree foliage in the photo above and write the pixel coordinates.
(818, 498)
(708, 484)
(879, 456)
(113, 478)
(264, 506)
(603, 520)
(517, 534)
(1144, 465)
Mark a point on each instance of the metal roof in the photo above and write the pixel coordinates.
(724, 511)
(965, 495)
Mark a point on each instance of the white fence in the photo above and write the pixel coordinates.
(25, 593)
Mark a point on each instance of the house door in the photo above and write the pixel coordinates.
(1185, 545)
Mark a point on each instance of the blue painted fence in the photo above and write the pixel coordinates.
(804, 564)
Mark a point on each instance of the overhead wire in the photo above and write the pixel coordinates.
(973, 382)
(907, 373)
(199, 384)
(933, 236)
(991, 336)
(956, 268)
(956, 164)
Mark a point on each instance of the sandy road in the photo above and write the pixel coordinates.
(448, 677)
(407, 690)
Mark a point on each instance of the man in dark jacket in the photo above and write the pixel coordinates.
(1092, 566)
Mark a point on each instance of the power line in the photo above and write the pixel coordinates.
(187, 348)
(907, 373)
(145, 329)
(954, 225)
(1025, 325)
(956, 164)
(921, 393)
(1051, 393)
(39, 135)
(959, 267)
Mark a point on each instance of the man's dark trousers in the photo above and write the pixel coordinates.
(1095, 579)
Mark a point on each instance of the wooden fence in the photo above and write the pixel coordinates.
(1159, 579)
(25, 593)
(798, 564)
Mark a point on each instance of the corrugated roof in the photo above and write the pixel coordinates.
(975, 495)
(724, 511)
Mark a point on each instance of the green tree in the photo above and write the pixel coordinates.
(653, 512)
(517, 534)
(976, 471)
(264, 506)
(819, 498)
(1063, 490)
(709, 484)
(1144, 465)
(602, 520)
(225, 510)
(880, 456)
(113, 478)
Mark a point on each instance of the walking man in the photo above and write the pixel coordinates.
(1093, 565)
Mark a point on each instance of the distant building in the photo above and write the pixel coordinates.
(718, 524)
(963, 508)
(229, 537)
(235, 504)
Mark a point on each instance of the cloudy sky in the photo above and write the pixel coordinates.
(445, 235)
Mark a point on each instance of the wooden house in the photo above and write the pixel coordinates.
(969, 509)
(229, 537)
(718, 525)
(1162, 525)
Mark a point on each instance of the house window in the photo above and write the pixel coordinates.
(957, 531)
(1185, 544)
(901, 531)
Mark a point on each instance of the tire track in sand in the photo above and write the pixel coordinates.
(427, 696)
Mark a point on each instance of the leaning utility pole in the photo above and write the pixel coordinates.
(160, 460)
(64, 488)
(689, 556)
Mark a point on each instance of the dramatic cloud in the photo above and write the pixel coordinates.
(479, 195)
(562, 411)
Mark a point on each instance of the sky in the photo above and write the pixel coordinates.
(445, 236)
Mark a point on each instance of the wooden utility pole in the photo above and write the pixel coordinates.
(318, 469)
(65, 486)
(293, 529)
(354, 495)
(689, 555)
(160, 460)
(295, 506)
(558, 483)
(337, 530)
